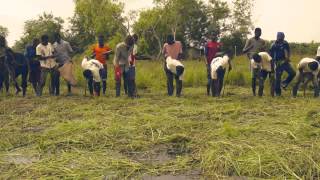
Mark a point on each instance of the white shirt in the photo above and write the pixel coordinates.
(46, 51)
(172, 66)
(304, 65)
(218, 62)
(94, 66)
(265, 63)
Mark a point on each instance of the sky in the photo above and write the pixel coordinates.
(297, 18)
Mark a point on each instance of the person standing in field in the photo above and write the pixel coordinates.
(62, 51)
(262, 63)
(172, 49)
(48, 65)
(132, 68)
(34, 65)
(280, 53)
(101, 52)
(308, 70)
(254, 45)
(211, 49)
(121, 64)
(219, 66)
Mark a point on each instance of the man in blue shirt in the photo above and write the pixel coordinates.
(280, 53)
(34, 64)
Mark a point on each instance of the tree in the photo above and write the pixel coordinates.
(35, 28)
(242, 17)
(4, 31)
(95, 17)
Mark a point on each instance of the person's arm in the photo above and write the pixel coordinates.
(230, 65)
(180, 56)
(287, 52)
(247, 47)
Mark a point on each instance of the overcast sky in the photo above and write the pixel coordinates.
(297, 18)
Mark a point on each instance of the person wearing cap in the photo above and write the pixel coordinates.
(262, 63)
(172, 49)
(280, 53)
(211, 49)
(308, 70)
(219, 66)
(122, 64)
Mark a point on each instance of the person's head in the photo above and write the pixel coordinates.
(313, 66)
(57, 37)
(135, 38)
(213, 37)
(101, 40)
(257, 58)
(280, 36)
(35, 42)
(257, 33)
(44, 39)
(170, 39)
(3, 41)
(129, 41)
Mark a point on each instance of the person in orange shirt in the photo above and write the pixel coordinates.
(101, 52)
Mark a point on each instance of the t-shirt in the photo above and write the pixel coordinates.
(172, 50)
(94, 66)
(255, 45)
(172, 65)
(304, 65)
(45, 51)
(265, 62)
(30, 52)
(279, 49)
(318, 52)
(132, 57)
(211, 50)
(62, 51)
(122, 55)
(101, 53)
(218, 62)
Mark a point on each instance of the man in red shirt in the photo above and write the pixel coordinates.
(101, 52)
(211, 49)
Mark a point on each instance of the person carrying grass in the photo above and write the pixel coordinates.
(219, 66)
(262, 64)
(280, 53)
(101, 52)
(211, 49)
(308, 70)
(121, 64)
(172, 49)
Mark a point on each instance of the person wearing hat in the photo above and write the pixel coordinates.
(280, 53)
(308, 70)
(262, 63)
(211, 49)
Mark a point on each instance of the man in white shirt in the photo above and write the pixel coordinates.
(261, 63)
(48, 65)
(308, 70)
(218, 69)
(175, 70)
(94, 72)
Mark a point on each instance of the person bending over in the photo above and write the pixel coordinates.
(175, 70)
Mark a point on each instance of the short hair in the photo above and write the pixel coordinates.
(135, 37)
(313, 65)
(44, 37)
(256, 57)
(170, 39)
(258, 29)
(129, 40)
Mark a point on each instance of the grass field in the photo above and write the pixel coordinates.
(160, 137)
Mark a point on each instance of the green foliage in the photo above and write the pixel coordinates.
(96, 17)
(35, 28)
(4, 31)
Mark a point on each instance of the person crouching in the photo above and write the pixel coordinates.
(308, 70)
(94, 72)
(262, 66)
(174, 69)
(218, 69)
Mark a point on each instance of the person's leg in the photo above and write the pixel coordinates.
(169, 75)
(279, 71)
(104, 80)
(125, 80)
(272, 84)
(295, 89)
(255, 77)
(118, 81)
(97, 88)
(130, 82)
(213, 87)
(291, 74)
(220, 73)
(18, 72)
(43, 77)
(209, 83)
(315, 86)
(262, 77)
(89, 77)
(180, 71)
(57, 82)
(24, 83)
(69, 88)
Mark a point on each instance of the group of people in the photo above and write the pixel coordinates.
(43, 59)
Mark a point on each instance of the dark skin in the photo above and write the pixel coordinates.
(101, 43)
(280, 39)
(257, 35)
(45, 42)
